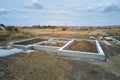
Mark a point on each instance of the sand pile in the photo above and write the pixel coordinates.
(84, 46)
(39, 66)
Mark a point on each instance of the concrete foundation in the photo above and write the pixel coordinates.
(63, 51)
(40, 46)
(5, 52)
(46, 48)
(24, 47)
(84, 55)
(59, 40)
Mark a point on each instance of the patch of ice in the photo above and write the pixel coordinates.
(4, 52)
(29, 51)
(107, 43)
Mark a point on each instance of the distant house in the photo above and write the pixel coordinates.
(2, 26)
(91, 37)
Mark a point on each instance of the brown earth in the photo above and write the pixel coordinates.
(31, 41)
(84, 46)
(86, 70)
(54, 44)
(5, 74)
(40, 66)
(80, 70)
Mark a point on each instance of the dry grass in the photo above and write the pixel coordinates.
(113, 32)
(18, 36)
(8, 36)
(68, 33)
(4, 35)
(40, 66)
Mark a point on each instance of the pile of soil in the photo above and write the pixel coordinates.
(54, 44)
(31, 41)
(39, 66)
(5, 74)
(84, 46)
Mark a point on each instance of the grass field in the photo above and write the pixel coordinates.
(57, 32)
(113, 32)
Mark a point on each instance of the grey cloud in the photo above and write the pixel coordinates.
(18, 10)
(105, 8)
(23, 17)
(111, 8)
(10, 10)
(34, 4)
(4, 16)
(37, 5)
(4, 11)
(58, 12)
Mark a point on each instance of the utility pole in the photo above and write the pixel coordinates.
(65, 23)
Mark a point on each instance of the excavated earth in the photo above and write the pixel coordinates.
(84, 46)
(40, 66)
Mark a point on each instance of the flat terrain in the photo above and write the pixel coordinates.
(42, 66)
(69, 33)
(5, 74)
(79, 70)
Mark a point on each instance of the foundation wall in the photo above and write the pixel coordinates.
(24, 47)
(40, 46)
(46, 48)
(63, 50)
(29, 47)
(82, 55)
(87, 55)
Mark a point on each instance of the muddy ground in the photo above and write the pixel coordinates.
(5, 74)
(31, 41)
(81, 70)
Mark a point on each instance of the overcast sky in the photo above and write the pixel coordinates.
(57, 12)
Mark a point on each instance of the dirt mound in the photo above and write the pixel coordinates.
(84, 46)
(39, 66)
